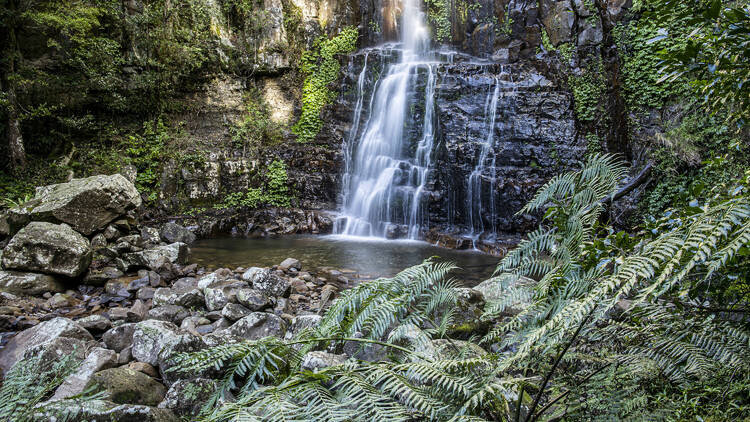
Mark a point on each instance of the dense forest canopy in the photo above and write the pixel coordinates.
(643, 318)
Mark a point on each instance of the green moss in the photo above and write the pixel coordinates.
(321, 67)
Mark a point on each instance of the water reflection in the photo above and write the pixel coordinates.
(369, 258)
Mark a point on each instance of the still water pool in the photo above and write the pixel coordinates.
(367, 257)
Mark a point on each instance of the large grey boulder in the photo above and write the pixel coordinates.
(173, 232)
(87, 204)
(97, 360)
(43, 333)
(104, 411)
(48, 248)
(127, 386)
(154, 258)
(258, 325)
(28, 283)
(266, 282)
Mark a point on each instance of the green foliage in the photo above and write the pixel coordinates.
(714, 53)
(642, 62)
(439, 15)
(256, 127)
(275, 191)
(146, 152)
(593, 144)
(588, 91)
(321, 68)
(28, 383)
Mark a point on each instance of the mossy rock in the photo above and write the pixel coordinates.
(126, 386)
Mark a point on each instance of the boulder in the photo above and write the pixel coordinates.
(48, 248)
(312, 361)
(173, 232)
(120, 337)
(50, 353)
(220, 293)
(256, 275)
(186, 397)
(104, 410)
(252, 299)
(171, 313)
(28, 283)
(127, 386)
(456, 349)
(155, 258)
(302, 322)
(43, 333)
(258, 325)
(151, 337)
(87, 205)
(495, 289)
(97, 360)
(467, 313)
(234, 311)
(185, 296)
(290, 263)
(95, 323)
(98, 277)
(273, 285)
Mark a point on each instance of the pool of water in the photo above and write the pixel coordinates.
(367, 258)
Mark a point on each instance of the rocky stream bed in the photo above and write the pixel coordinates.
(82, 276)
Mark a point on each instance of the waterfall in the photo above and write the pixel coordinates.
(384, 179)
(474, 206)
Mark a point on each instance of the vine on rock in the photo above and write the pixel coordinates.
(321, 68)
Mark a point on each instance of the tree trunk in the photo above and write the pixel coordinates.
(16, 151)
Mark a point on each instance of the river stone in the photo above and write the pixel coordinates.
(99, 277)
(273, 285)
(186, 296)
(186, 397)
(154, 258)
(315, 360)
(234, 311)
(87, 204)
(151, 337)
(173, 232)
(252, 299)
(104, 411)
(127, 386)
(120, 337)
(95, 323)
(302, 322)
(28, 283)
(48, 248)
(290, 263)
(258, 325)
(169, 313)
(98, 359)
(43, 333)
(493, 289)
(256, 275)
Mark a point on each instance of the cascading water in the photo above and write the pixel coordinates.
(384, 180)
(474, 183)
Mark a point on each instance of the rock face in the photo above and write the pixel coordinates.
(28, 283)
(87, 204)
(48, 248)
